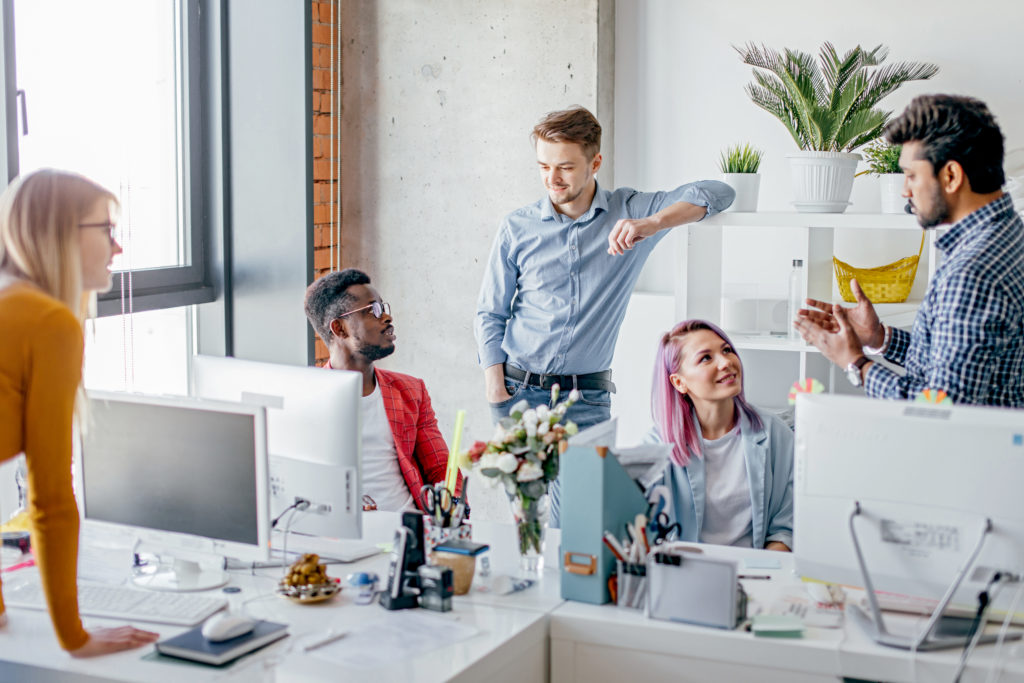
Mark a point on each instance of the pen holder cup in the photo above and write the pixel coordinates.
(462, 566)
(632, 584)
(437, 534)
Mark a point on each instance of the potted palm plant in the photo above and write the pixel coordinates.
(739, 166)
(884, 161)
(829, 109)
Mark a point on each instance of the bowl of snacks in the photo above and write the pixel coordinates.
(307, 581)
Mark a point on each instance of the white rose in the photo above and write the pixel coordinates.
(530, 417)
(531, 429)
(574, 395)
(542, 412)
(543, 428)
(529, 471)
(488, 461)
(507, 463)
(519, 407)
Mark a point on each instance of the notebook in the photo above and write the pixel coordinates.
(192, 645)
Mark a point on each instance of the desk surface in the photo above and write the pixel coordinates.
(510, 643)
(604, 642)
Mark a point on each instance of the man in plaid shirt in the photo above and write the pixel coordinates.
(402, 448)
(968, 337)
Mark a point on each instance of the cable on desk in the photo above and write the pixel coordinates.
(1003, 631)
(998, 580)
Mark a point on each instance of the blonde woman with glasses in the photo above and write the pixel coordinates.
(56, 246)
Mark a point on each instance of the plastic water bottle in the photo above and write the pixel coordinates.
(797, 295)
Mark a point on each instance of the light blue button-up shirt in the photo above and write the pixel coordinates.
(553, 299)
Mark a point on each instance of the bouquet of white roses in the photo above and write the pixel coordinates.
(523, 455)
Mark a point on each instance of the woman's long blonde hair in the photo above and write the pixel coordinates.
(39, 218)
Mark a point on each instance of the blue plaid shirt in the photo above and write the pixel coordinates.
(968, 336)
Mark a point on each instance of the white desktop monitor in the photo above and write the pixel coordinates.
(313, 435)
(188, 476)
(926, 478)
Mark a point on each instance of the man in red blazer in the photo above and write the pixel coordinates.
(402, 448)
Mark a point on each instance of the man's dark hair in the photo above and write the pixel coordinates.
(328, 298)
(952, 128)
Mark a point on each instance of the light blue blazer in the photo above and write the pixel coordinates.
(769, 455)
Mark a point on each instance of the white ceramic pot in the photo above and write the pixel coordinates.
(822, 181)
(746, 186)
(890, 186)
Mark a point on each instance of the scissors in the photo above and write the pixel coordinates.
(437, 501)
(664, 531)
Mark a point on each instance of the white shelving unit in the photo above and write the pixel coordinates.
(773, 362)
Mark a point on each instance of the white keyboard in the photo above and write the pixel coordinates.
(129, 604)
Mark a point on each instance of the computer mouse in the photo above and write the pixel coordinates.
(225, 626)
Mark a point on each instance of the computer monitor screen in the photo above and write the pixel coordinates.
(186, 475)
(926, 479)
(313, 434)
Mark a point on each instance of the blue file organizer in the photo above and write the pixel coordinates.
(597, 494)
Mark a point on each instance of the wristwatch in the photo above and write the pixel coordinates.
(853, 370)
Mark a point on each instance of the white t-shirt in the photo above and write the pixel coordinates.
(728, 518)
(382, 477)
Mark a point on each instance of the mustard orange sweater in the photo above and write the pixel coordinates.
(41, 347)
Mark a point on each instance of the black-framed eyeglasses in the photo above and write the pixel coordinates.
(378, 308)
(106, 224)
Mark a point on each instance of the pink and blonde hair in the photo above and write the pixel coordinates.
(673, 412)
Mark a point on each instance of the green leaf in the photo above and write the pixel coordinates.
(830, 107)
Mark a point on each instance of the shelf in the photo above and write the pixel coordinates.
(768, 342)
(792, 219)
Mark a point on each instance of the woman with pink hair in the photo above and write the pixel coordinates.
(730, 476)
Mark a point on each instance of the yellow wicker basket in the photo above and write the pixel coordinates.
(888, 284)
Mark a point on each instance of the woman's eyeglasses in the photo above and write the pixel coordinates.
(107, 225)
(378, 308)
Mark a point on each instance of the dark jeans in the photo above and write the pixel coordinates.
(594, 407)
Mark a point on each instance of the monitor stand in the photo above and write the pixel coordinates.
(940, 632)
(178, 576)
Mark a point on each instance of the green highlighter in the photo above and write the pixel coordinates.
(777, 626)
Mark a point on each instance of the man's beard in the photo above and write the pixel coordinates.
(372, 352)
(939, 212)
(568, 199)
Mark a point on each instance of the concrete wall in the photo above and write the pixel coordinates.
(439, 100)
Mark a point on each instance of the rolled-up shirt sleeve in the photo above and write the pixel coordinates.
(494, 305)
(713, 194)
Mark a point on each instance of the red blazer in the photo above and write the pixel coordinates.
(422, 452)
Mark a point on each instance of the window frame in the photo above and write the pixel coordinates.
(151, 288)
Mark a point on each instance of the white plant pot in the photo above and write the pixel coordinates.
(822, 181)
(746, 186)
(890, 187)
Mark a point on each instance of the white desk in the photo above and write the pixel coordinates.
(511, 643)
(591, 643)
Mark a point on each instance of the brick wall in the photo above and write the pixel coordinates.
(326, 170)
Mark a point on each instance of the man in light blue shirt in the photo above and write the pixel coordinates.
(562, 269)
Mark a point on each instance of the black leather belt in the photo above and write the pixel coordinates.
(602, 381)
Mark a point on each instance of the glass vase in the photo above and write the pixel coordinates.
(531, 516)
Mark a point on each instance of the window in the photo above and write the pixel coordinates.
(110, 89)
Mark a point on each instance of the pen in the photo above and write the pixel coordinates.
(753, 576)
(326, 640)
(614, 546)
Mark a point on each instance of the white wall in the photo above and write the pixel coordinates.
(680, 99)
